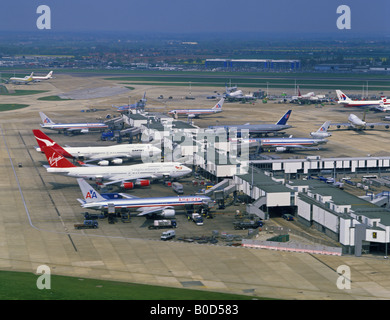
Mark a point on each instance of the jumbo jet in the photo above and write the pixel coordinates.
(355, 123)
(40, 78)
(196, 113)
(126, 176)
(25, 80)
(104, 155)
(74, 128)
(259, 128)
(322, 132)
(347, 102)
(160, 206)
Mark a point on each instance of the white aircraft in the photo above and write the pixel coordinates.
(160, 206)
(195, 113)
(232, 94)
(382, 106)
(355, 123)
(311, 96)
(104, 155)
(25, 80)
(71, 127)
(126, 176)
(322, 132)
(347, 102)
(47, 77)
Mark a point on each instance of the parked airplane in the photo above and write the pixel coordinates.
(25, 80)
(311, 97)
(286, 144)
(71, 127)
(259, 128)
(104, 155)
(47, 77)
(382, 106)
(232, 94)
(322, 132)
(135, 106)
(160, 206)
(347, 102)
(355, 123)
(126, 176)
(195, 113)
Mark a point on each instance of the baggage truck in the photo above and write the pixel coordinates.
(87, 224)
(195, 217)
(159, 224)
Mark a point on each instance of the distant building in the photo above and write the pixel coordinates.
(253, 64)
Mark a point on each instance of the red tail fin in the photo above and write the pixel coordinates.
(55, 159)
(44, 141)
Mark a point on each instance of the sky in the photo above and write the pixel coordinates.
(205, 16)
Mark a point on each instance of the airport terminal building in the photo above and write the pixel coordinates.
(253, 64)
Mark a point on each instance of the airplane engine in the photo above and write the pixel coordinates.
(84, 131)
(280, 149)
(168, 213)
(127, 185)
(117, 161)
(143, 183)
(103, 163)
(372, 127)
(191, 116)
(387, 127)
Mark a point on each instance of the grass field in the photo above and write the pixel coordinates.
(22, 286)
(24, 92)
(12, 106)
(52, 98)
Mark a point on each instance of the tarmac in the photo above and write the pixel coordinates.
(38, 209)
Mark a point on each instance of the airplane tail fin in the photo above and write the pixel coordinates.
(45, 119)
(55, 159)
(219, 105)
(89, 193)
(299, 91)
(44, 141)
(50, 74)
(342, 96)
(324, 127)
(283, 120)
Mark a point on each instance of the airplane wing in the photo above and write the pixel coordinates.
(377, 124)
(338, 125)
(72, 130)
(150, 210)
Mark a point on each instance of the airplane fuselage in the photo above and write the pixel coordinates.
(158, 170)
(75, 126)
(136, 203)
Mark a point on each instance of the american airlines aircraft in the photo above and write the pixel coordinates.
(195, 113)
(85, 127)
(161, 206)
(104, 155)
(347, 102)
(322, 132)
(126, 176)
